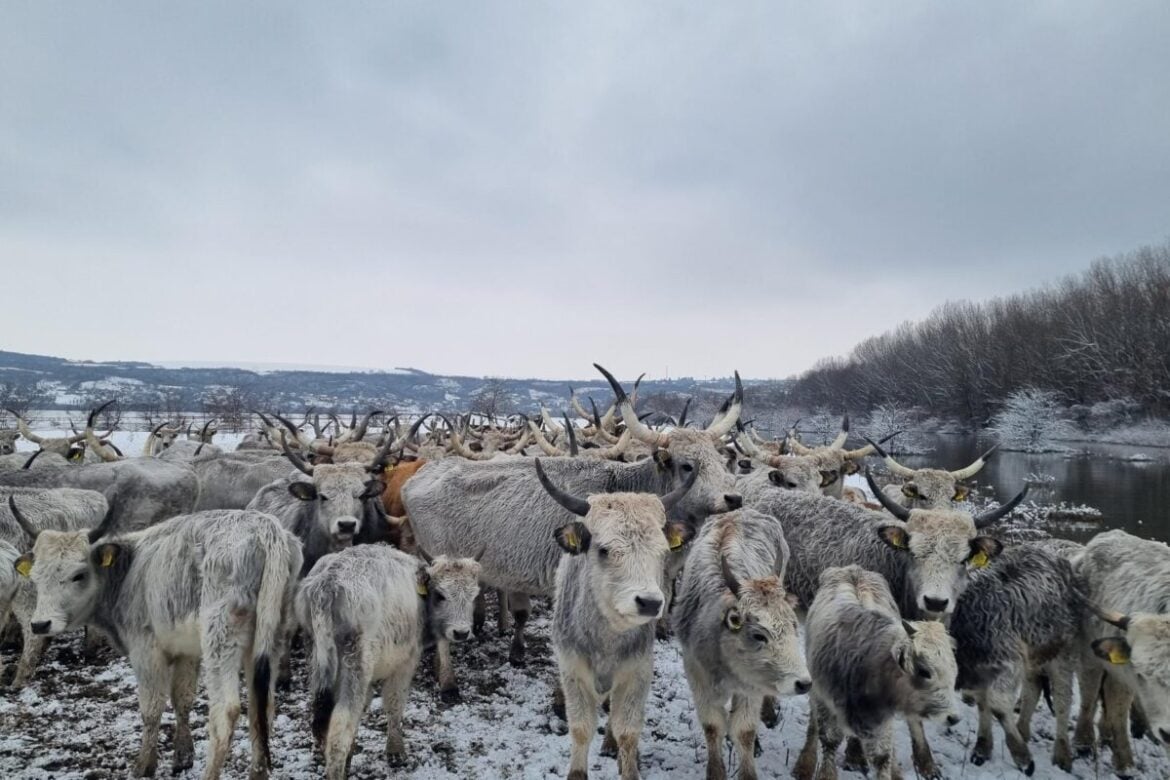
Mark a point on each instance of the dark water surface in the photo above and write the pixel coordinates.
(1134, 496)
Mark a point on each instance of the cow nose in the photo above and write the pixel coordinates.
(347, 526)
(734, 500)
(460, 635)
(40, 627)
(803, 686)
(935, 605)
(648, 607)
(1165, 735)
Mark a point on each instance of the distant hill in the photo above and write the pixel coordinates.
(39, 381)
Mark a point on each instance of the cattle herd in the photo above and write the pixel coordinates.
(369, 543)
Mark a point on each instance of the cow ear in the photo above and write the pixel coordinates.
(1113, 649)
(423, 581)
(105, 555)
(910, 490)
(573, 538)
(305, 491)
(776, 477)
(895, 536)
(745, 464)
(961, 492)
(663, 459)
(23, 565)
(852, 467)
(678, 534)
(983, 549)
(733, 620)
(374, 489)
(828, 477)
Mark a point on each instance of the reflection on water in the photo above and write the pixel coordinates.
(1134, 496)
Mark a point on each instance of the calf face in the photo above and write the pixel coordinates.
(1140, 658)
(800, 473)
(927, 659)
(8, 442)
(942, 545)
(450, 586)
(933, 489)
(67, 572)
(695, 452)
(339, 493)
(759, 639)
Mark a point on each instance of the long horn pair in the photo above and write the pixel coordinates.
(639, 429)
(723, 425)
(293, 457)
(92, 440)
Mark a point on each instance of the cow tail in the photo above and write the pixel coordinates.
(271, 610)
(324, 670)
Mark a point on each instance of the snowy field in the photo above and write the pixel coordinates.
(80, 721)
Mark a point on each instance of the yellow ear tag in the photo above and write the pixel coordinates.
(572, 541)
(1118, 656)
(980, 560)
(389, 469)
(734, 621)
(960, 494)
(107, 558)
(675, 539)
(421, 589)
(24, 567)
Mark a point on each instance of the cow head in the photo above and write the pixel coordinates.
(450, 587)
(1140, 657)
(341, 496)
(758, 637)
(925, 654)
(933, 488)
(623, 540)
(8, 441)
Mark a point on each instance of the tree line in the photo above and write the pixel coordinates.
(1100, 336)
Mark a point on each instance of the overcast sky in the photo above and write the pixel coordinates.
(522, 189)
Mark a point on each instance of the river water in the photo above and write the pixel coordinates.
(1131, 495)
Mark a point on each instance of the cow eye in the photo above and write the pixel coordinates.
(79, 577)
(322, 497)
(687, 468)
(603, 553)
(439, 596)
(922, 672)
(760, 637)
(791, 485)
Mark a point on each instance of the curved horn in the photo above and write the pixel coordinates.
(571, 432)
(729, 579)
(975, 467)
(360, 431)
(22, 426)
(1116, 619)
(843, 436)
(28, 463)
(203, 430)
(106, 524)
(577, 506)
(896, 468)
(92, 440)
(618, 449)
(21, 520)
(721, 427)
(148, 447)
(293, 457)
(423, 554)
(673, 497)
(749, 448)
(547, 447)
(892, 506)
(987, 518)
(599, 427)
(636, 426)
(682, 418)
(293, 430)
(577, 404)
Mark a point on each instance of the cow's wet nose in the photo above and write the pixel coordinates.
(803, 686)
(40, 627)
(347, 526)
(460, 635)
(935, 605)
(734, 500)
(648, 606)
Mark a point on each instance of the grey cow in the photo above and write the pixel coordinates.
(370, 610)
(868, 665)
(231, 480)
(738, 631)
(208, 590)
(609, 592)
(1019, 616)
(1127, 643)
(23, 513)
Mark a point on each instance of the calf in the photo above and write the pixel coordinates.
(869, 665)
(1019, 617)
(609, 592)
(209, 589)
(370, 610)
(738, 630)
(1127, 642)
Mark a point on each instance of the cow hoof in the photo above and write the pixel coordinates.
(183, 761)
(1084, 751)
(662, 632)
(1030, 769)
(757, 749)
(258, 774)
(396, 760)
(451, 696)
(953, 720)
(609, 749)
(978, 759)
(145, 768)
(516, 659)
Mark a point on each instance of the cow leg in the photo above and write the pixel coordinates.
(709, 710)
(30, 656)
(1061, 677)
(558, 702)
(855, 759)
(183, 679)
(353, 686)
(1029, 700)
(479, 615)
(662, 626)
(1118, 700)
(806, 763)
(745, 715)
(395, 690)
(448, 687)
(920, 751)
(153, 672)
(501, 612)
(581, 702)
(1001, 698)
(879, 749)
(1139, 724)
(519, 605)
(1089, 677)
(260, 723)
(223, 650)
(627, 715)
(985, 739)
(769, 713)
(831, 737)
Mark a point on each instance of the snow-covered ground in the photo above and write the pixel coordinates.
(80, 720)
